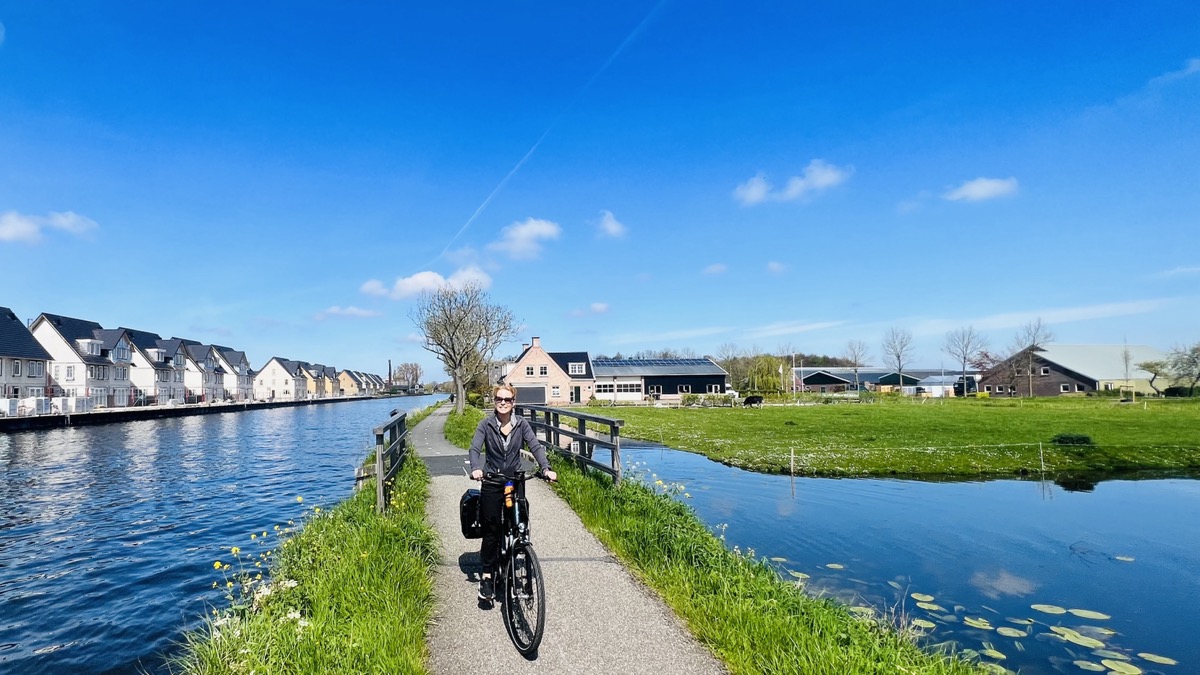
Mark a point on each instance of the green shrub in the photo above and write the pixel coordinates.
(474, 398)
(690, 399)
(1071, 439)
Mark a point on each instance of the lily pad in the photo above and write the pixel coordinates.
(778, 559)
(921, 597)
(1089, 614)
(1110, 654)
(1155, 658)
(933, 607)
(861, 611)
(1049, 609)
(1123, 558)
(1010, 632)
(1088, 665)
(1084, 641)
(1122, 667)
(1020, 622)
(922, 623)
(836, 566)
(994, 654)
(798, 575)
(896, 585)
(980, 623)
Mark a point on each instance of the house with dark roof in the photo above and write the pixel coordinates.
(23, 360)
(239, 378)
(351, 384)
(1059, 369)
(82, 364)
(203, 377)
(657, 379)
(550, 378)
(280, 379)
(151, 371)
(174, 351)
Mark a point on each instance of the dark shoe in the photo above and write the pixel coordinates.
(487, 588)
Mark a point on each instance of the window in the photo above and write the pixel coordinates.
(1108, 386)
(543, 370)
(16, 368)
(1, 369)
(685, 388)
(178, 361)
(714, 388)
(528, 371)
(654, 389)
(604, 389)
(70, 373)
(1045, 370)
(56, 372)
(1079, 387)
(987, 388)
(554, 392)
(575, 369)
(629, 388)
(1064, 388)
(37, 368)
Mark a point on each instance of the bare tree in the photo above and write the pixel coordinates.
(1156, 369)
(1030, 339)
(408, 373)
(897, 350)
(857, 354)
(463, 329)
(1185, 365)
(964, 344)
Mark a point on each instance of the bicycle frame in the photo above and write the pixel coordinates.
(518, 575)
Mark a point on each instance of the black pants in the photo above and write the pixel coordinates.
(491, 504)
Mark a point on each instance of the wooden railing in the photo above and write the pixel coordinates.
(552, 425)
(391, 448)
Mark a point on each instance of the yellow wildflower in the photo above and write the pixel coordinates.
(217, 565)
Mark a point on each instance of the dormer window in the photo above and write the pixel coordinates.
(575, 369)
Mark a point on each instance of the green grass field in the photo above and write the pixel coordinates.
(938, 437)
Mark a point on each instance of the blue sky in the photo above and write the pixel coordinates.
(285, 177)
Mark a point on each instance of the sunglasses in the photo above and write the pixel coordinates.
(502, 399)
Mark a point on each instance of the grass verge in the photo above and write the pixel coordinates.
(350, 592)
(738, 606)
(950, 437)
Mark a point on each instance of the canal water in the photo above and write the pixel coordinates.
(985, 551)
(108, 534)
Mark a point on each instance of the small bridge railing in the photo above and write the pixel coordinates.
(391, 448)
(553, 425)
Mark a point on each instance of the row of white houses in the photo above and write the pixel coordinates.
(77, 365)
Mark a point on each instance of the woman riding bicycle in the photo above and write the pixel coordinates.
(500, 437)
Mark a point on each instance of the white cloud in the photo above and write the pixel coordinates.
(610, 226)
(20, 227)
(774, 267)
(407, 287)
(818, 176)
(1179, 272)
(659, 337)
(594, 308)
(349, 312)
(1051, 316)
(790, 328)
(716, 268)
(1190, 67)
(523, 241)
(981, 189)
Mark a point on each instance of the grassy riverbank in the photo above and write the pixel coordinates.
(751, 618)
(349, 592)
(940, 437)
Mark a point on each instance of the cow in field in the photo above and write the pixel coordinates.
(752, 402)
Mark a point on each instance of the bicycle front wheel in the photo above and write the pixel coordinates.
(525, 600)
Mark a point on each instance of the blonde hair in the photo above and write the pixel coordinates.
(506, 387)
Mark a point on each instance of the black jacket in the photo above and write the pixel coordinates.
(499, 459)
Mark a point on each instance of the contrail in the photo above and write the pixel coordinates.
(553, 123)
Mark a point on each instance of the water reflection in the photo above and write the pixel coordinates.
(108, 533)
(985, 552)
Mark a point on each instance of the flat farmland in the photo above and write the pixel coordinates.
(938, 437)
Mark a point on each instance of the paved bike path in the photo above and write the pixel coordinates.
(599, 619)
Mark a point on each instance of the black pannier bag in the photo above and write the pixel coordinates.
(468, 514)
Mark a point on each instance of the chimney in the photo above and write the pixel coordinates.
(537, 342)
(524, 347)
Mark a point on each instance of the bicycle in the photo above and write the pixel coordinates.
(519, 583)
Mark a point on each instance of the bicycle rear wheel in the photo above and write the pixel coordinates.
(525, 600)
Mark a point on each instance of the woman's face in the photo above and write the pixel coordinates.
(504, 400)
